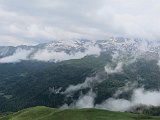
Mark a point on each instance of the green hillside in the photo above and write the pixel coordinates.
(45, 113)
(33, 83)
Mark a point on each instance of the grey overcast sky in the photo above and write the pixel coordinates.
(38, 21)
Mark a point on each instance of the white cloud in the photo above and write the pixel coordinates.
(45, 55)
(139, 97)
(86, 101)
(115, 104)
(44, 20)
(14, 41)
(117, 69)
(86, 84)
(16, 57)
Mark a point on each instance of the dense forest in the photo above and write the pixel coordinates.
(30, 83)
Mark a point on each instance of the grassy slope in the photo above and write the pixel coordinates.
(45, 113)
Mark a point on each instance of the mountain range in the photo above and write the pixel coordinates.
(75, 49)
(117, 74)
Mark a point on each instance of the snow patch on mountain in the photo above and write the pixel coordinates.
(76, 49)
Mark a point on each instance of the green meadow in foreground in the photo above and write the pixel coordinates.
(46, 113)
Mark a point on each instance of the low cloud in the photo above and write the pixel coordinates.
(139, 97)
(19, 55)
(117, 69)
(84, 101)
(115, 104)
(45, 55)
(88, 83)
(129, 86)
